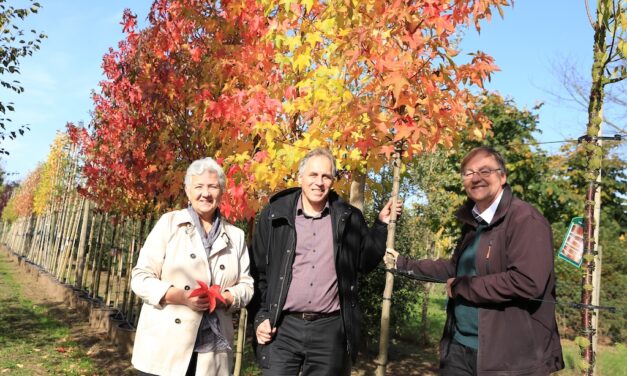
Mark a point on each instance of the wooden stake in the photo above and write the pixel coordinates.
(382, 360)
(241, 341)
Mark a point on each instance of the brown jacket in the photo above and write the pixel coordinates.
(514, 261)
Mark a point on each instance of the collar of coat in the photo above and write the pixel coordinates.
(182, 218)
(464, 213)
(283, 204)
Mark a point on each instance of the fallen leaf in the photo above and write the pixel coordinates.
(213, 293)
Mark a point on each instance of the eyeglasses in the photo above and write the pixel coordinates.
(484, 173)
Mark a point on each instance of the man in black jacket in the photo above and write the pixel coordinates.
(308, 248)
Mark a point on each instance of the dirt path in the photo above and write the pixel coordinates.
(41, 335)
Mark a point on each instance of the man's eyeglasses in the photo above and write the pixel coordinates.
(484, 173)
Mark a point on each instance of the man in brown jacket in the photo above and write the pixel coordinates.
(500, 280)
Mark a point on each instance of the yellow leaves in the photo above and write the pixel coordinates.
(293, 43)
(308, 4)
(622, 47)
(312, 38)
(302, 61)
(477, 133)
(327, 26)
(355, 155)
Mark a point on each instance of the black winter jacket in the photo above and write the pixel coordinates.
(356, 248)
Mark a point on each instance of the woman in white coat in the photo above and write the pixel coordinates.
(176, 333)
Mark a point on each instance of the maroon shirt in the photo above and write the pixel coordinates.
(314, 282)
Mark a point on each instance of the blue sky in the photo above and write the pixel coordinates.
(59, 79)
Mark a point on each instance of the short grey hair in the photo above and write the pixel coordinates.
(200, 166)
(490, 151)
(319, 152)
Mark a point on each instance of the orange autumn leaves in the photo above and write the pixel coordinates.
(258, 83)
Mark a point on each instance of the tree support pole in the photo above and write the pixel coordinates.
(382, 360)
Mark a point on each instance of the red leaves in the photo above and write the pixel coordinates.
(129, 22)
(212, 292)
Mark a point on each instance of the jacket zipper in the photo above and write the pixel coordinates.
(339, 280)
(287, 263)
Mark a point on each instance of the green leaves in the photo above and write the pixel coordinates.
(13, 47)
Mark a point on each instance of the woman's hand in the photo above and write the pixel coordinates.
(179, 296)
(228, 298)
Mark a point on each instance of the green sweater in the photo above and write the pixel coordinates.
(467, 314)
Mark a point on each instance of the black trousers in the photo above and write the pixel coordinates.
(460, 361)
(317, 348)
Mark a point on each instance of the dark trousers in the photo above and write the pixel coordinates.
(317, 348)
(460, 361)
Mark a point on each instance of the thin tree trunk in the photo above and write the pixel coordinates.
(241, 340)
(112, 251)
(428, 286)
(382, 360)
(594, 156)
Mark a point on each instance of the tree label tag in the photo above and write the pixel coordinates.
(572, 246)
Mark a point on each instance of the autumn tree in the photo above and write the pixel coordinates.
(188, 86)
(15, 44)
(259, 84)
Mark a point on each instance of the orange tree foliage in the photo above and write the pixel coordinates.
(20, 205)
(258, 83)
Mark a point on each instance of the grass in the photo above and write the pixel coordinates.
(31, 342)
(611, 360)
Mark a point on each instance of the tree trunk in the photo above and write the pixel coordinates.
(594, 156)
(382, 360)
(428, 286)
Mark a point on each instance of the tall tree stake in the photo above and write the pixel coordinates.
(389, 277)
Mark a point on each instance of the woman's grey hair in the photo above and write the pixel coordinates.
(200, 166)
(319, 152)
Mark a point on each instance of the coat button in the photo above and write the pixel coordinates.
(187, 287)
(178, 321)
(193, 255)
(222, 267)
